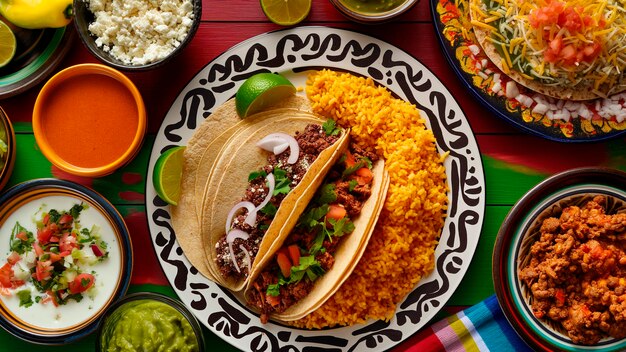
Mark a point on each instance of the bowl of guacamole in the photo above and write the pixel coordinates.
(149, 322)
(7, 148)
(372, 11)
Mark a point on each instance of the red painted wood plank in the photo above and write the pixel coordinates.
(321, 10)
(161, 86)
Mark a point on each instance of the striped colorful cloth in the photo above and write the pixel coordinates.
(481, 327)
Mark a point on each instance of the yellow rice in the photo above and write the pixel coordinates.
(401, 249)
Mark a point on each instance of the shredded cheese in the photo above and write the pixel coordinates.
(524, 47)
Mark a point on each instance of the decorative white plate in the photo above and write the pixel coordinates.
(291, 52)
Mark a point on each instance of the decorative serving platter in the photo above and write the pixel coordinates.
(565, 121)
(292, 52)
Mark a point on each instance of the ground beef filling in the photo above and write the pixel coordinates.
(577, 272)
(352, 199)
(312, 141)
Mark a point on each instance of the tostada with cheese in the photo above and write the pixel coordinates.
(567, 49)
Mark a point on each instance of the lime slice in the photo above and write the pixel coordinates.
(7, 44)
(260, 91)
(167, 174)
(286, 12)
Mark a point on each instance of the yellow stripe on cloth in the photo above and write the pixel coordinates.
(464, 335)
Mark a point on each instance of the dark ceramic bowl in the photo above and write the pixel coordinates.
(7, 159)
(522, 228)
(83, 17)
(372, 17)
(43, 323)
(123, 306)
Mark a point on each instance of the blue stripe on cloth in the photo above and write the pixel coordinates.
(497, 332)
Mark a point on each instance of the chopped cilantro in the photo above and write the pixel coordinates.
(25, 299)
(352, 185)
(312, 216)
(330, 128)
(281, 182)
(273, 290)
(318, 243)
(54, 216)
(264, 227)
(76, 209)
(352, 169)
(326, 194)
(84, 282)
(269, 209)
(256, 174)
(341, 227)
(18, 245)
(368, 162)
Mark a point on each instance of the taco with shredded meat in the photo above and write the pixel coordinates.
(262, 173)
(309, 263)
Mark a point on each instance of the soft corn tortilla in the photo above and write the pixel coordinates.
(229, 181)
(578, 92)
(200, 155)
(347, 255)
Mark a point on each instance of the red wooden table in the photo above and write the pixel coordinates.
(513, 161)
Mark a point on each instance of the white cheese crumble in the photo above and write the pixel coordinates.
(138, 32)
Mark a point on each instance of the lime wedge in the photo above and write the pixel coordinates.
(286, 12)
(167, 174)
(260, 91)
(7, 44)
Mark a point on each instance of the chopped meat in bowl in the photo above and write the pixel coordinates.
(575, 272)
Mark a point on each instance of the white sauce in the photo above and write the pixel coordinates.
(106, 273)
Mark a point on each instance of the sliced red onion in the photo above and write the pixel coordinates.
(250, 218)
(280, 148)
(230, 238)
(246, 257)
(271, 185)
(96, 250)
(276, 139)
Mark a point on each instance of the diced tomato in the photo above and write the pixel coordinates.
(37, 248)
(568, 55)
(336, 212)
(54, 257)
(294, 254)
(4, 291)
(560, 296)
(66, 219)
(364, 176)
(68, 242)
(284, 263)
(13, 258)
(43, 269)
(350, 160)
(43, 235)
(272, 300)
(82, 282)
(46, 219)
(22, 236)
(50, 297)
(6, 272)
(65, 253)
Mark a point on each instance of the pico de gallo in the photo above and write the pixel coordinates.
(46, 266)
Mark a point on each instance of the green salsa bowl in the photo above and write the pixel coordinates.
(372, 11)
(147, 321)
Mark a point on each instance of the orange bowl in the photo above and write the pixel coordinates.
(89, 120)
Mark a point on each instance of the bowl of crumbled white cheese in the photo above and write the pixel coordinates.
(136, 34)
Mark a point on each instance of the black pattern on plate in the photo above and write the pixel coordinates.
(292, 52)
